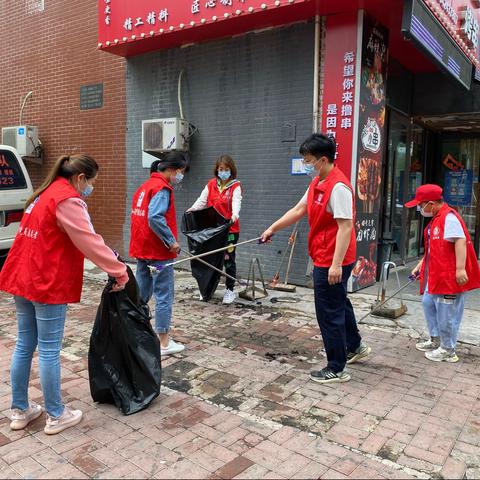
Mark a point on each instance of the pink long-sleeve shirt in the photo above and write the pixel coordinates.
(74, 220)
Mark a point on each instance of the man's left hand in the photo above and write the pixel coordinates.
(334, 275)
(461, 276)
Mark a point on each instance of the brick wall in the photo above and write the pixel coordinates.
(238, 92)
(53, 52)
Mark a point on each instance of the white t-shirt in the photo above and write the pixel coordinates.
(453, 228)
(340, 203)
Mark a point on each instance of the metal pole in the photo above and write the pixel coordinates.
(411, 280)
(195, 257)
(221, 272)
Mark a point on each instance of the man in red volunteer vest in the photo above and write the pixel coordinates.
(153, 241)
(448, 269)
(329, 205)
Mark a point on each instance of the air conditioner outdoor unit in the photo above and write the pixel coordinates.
(165, 134)
(22, 137)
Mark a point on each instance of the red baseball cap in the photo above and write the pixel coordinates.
(426, 193)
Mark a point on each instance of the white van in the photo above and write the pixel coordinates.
(15, 189)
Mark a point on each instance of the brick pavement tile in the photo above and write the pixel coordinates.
(345, 435)
(177, 440)
(140, 446)
(183, 469)
(123, 470)
(365, 472)
(406, 417)
(253, 472)
(262, 458)
(88, 465)
(347, 464)
(157, 434)
(373, 443)
(28, 468)
(234, 467)
(231, 437)
(67, 445)
(333, 474)
(281, 436)
(108, 456)
(126, 441)
(217, 419)
(188, 448)
(453, 469)
(19, 449)
(312, 470)
(206, 431)
(221, 453)
(206, 461)
(299, 442)
(397, 426)
(149, 463)
(291, 466)
(64, 471)
(274, 450)
(7, 472)
(417, 464)
(425, 455)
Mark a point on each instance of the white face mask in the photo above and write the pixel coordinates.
(423, 213)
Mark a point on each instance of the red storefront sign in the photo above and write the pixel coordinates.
(123, 21)
(340, 85)
(461, 18)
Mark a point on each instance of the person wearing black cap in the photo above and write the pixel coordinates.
(448, 269)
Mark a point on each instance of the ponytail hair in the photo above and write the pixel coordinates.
(173, 159)
(66, 167)
(154, 166)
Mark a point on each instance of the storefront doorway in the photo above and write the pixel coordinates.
(404, 172)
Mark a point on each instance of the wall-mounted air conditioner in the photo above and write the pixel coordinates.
(22, 137)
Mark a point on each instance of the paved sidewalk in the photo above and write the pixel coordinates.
(238, 403)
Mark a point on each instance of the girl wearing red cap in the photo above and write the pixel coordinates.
(448, 269)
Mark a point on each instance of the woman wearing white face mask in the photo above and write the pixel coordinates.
(153, 241)
(44, 270)
(224, 193)
(448, 269)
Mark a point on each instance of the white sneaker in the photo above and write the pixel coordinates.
(21, 418)
(427, 346)
(173, 347)
(69, 418)
(228, 297)
(442, 355)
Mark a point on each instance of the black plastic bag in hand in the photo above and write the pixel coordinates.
(206, 230)
(124, 358)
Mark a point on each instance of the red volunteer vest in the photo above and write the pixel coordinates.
(144, 243)
(323, 227)
(441, 259)
(43, 264)
(222, 201)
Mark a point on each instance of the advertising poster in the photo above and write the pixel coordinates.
(458, 187)
(371, 147)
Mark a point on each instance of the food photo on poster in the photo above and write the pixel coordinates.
(371, 147)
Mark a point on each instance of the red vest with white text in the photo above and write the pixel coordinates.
(441, 259)
(43, 264)
(144, 243)
(323, 227)
(222, 201)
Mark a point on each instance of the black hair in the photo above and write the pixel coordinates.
(319, 145)
(173, 159)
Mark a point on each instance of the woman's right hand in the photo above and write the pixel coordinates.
(267, 235)
(416, 270)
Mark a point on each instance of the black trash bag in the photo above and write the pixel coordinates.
(206, 230)
(124, 365)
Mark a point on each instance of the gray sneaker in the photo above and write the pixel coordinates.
(326, 375)
(361, 352)
(442, 355)
(428, 345)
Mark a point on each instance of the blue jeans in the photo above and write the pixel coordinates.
(335, 317)
(161, 284)
(42, 324)
(444, 314)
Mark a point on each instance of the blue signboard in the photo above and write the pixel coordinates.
(458, 187)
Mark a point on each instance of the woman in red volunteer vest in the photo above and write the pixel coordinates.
(44, 271)
(153, 241)
(224, 193)
(329, 205)
(448, 269)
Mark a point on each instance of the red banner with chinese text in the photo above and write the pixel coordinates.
(338, 101)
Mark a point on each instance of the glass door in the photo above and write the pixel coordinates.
(404, 173)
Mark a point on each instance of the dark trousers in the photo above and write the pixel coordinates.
(230, 265)
(335, 317)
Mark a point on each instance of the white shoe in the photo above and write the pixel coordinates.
(228, 297)
(427, 346)
(173, 347)
(69, 418)
(442, 355)
(21, 418)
